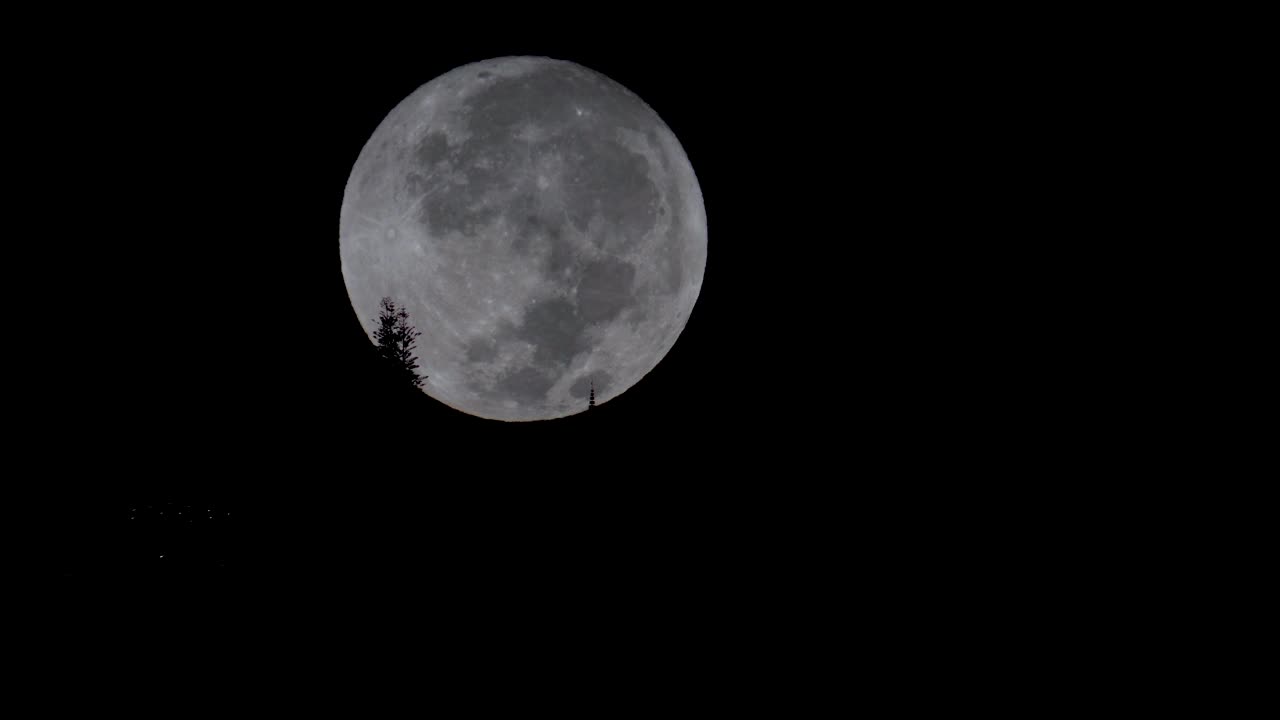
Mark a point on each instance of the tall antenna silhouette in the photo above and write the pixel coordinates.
(592, 402)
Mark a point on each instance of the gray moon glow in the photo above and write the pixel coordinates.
(543, 228)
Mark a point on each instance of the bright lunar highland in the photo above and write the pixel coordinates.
(541, 225)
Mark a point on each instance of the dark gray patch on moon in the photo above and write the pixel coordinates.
(534, 223)
(673, 269)
(431, 149)
(670, 265)
(600, 176)
(544, 97)
(415, 184)
(555, 328)
(605, 290)
(671, 251)
(558, 330)
(651, 135)
(528, 384)
(636, 316)
(482, 350)
(613, 182)
(562, 257)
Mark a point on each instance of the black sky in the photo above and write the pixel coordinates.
(216, 357)
(187, 227)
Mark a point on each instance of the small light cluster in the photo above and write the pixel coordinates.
(173, 512)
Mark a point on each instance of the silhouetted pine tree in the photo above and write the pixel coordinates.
(395, 339)
(592, 402)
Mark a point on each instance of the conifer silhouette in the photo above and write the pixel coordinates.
(395, 339)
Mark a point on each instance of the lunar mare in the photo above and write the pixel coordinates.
(542, 226)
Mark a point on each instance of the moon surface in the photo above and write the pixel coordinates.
(543, 228)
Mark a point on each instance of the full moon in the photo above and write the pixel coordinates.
(541, 225)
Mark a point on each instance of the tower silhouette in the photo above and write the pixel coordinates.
(592, 402)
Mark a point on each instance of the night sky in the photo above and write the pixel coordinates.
(218, 415)
(236, 424)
